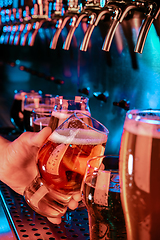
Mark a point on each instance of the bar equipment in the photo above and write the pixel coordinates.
(17, 108)
(101, 195)
(151, 15)
(41, 16)
(117, 10)
(71, 11)
(62, 161)
(88, 11)
(139, 173)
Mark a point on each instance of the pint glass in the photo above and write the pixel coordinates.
(62, 162)
(139, 174)
(101, 194)
(17, 108)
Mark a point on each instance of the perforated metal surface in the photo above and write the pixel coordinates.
(27, 224)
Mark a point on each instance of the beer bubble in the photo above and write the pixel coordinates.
(138, 193)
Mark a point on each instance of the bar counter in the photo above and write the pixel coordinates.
(19, 221)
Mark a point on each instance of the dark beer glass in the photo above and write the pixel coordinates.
(17, 108)
(139, 174)
(101, 195)
(62, 161)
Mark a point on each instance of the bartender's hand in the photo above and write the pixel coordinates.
(18, 162)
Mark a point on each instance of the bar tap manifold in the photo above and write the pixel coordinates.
(152, 13)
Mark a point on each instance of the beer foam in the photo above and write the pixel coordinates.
(81, 137)
(20, 96)
(143, 123)
(61, 114)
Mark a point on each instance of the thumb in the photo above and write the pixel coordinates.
(39, 138)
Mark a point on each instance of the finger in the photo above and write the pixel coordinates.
(73, 204)
(39, 138)
(77, 197)
(55, 220)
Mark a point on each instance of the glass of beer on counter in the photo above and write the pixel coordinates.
(17, 108)
(65, 107)
(38, 103)
(101, 195)
(41, 116)
(139, 174)
(62, 161)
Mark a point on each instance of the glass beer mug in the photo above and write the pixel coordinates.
(62, 161)
(139, 174)
(101, 195)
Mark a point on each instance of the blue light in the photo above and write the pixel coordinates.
(102, 3)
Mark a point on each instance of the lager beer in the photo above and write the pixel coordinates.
(62, 162)
(139, 172)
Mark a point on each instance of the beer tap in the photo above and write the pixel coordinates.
(6, 29)
(124, 8)
(20, 26)
(39, 19)
(72, 11)
(87, 11)
(153, 12)
(17, 15)
(97, 15)
(9, 26)
(26, 28)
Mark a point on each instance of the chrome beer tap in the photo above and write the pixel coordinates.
(124, 8)
(6, 28)
(152, 13)
(71, 12)
(86, 12)
(20, 27)
(27, 27)
(118, 11)
(39, 18)
(96, 16)
(17, 18)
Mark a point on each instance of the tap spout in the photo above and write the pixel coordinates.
(151, 16)
(17, 36)
(24, 35)
(92, 24)
(120, 14)
(75, 21)
(60, 25)
(38, 25)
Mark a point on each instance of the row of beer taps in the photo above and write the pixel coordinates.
(19, 26)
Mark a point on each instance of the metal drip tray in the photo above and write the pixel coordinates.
(27, 224)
